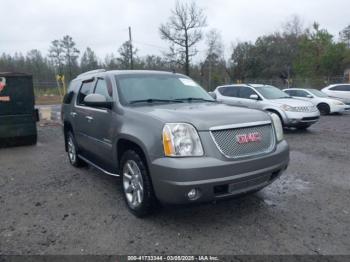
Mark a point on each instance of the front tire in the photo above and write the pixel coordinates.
(324, 109)
(136, 184)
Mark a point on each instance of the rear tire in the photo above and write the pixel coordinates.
(324, 109)
(136, 184)
(72, 150)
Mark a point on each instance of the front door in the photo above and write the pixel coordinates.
(101, 127)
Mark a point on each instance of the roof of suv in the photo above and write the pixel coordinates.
(123, 72)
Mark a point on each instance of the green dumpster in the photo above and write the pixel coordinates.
(18, 116)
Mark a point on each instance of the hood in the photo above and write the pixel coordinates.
(202, 115)
(290, 102)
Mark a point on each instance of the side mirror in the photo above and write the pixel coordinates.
(254, 97)
(309, 96)
(213, 95)
(97, 100)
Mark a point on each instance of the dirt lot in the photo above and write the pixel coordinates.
(49, 207)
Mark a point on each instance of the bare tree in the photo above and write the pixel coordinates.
(71, 53)
(183, 31)
(88, 60)
(344, 36)
(125, 56)
(215, 49)
(56, 55)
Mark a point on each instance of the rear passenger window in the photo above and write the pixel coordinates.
(340, 88)
(85, 90)
(231, 91)
(104, 89)
(290, 92)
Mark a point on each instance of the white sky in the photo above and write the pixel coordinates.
(103, 25)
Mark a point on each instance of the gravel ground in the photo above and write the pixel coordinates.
(49, 207)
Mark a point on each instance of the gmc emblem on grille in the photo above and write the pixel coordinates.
(247, 138)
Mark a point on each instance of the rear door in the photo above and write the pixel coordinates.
(16, 95)
(17, 115)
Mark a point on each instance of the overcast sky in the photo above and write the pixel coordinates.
(103, 24)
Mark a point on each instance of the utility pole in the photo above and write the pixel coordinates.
(131, 51)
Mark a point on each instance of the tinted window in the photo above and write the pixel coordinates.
(85, 90)
(231, 91)
(291, 92)
(300, 93)
(246, 92)
(102, 89)
(340, 88)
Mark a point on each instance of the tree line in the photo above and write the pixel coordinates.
(294, 52)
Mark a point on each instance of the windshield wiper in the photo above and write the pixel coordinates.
(190, 99)
(153, 100)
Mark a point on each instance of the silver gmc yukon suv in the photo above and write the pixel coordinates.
(168, 139)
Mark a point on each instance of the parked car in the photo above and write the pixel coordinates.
(168, 139)
(325, 104)
(292, 112)
(18, 116)
(341, 91)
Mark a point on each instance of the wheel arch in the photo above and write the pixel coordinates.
(276, 112)
(126, 143)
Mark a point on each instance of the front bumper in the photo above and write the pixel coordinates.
(294, 119)
(214, 178)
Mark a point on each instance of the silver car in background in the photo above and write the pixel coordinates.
(292, 112)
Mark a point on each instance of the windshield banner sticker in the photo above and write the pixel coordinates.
(188, 82)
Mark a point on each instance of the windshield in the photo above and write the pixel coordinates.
(164, 88)
(318, 93)
(271, 92)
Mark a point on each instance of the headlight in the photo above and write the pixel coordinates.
(278, 126)
(181, 139)
(287, 108)
(338, 103)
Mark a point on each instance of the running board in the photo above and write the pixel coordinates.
(97, 167)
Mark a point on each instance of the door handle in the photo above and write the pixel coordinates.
(73, 114)
(89, 118)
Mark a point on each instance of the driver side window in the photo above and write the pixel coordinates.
(246, 92)
(85, 90)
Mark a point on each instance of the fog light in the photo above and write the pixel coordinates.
(193, 194)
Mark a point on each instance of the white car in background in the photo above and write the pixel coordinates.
(341, 91)
(325, 104)
(292, 112)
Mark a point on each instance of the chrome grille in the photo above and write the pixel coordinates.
(305, 108)
(227, 142)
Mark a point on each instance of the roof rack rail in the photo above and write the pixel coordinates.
(91, 72)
